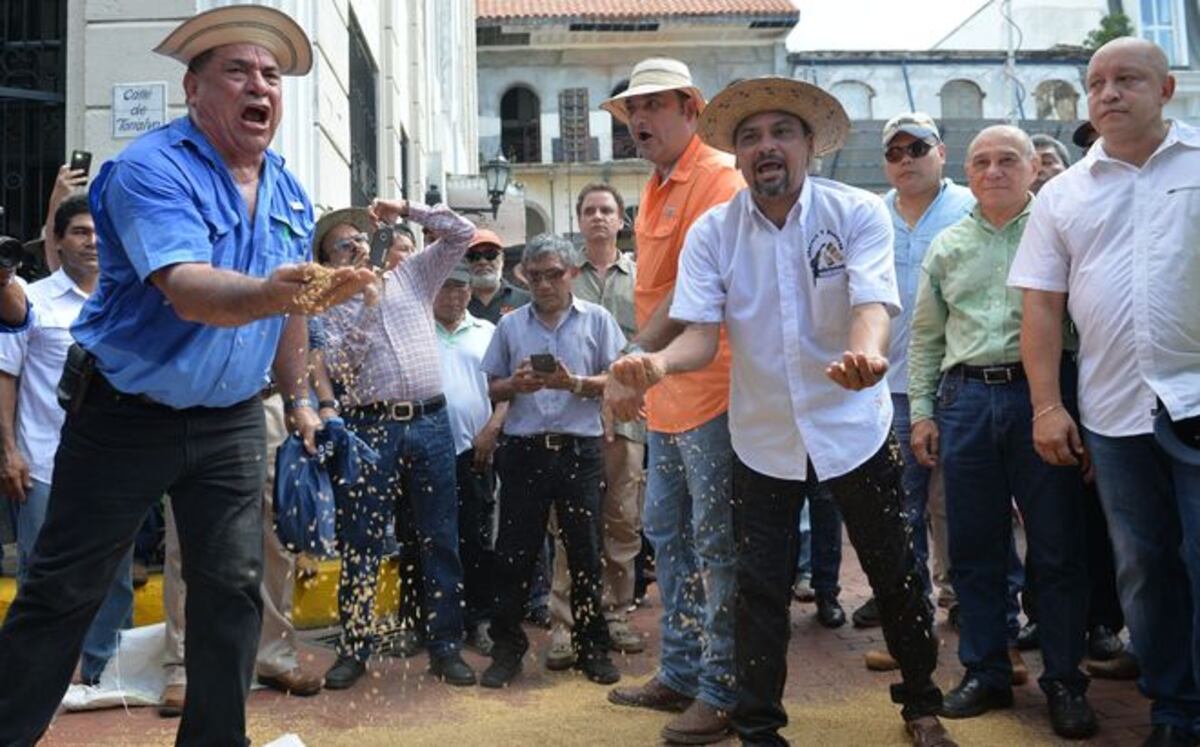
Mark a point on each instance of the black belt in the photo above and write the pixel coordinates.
(105, 387)
(396, 410)
(550, 441)
(1005, 373)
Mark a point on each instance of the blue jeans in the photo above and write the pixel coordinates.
(1153, 508)
(116, 612)
(988, 457)
(915, 480)
(689, 521)
(416, 463)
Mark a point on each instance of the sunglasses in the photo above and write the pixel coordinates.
(488, 254)
(550, 276)
(347, 244)
(915, 149)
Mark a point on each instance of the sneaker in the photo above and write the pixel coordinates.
(867, 616)
(561, 655)
(623, 640)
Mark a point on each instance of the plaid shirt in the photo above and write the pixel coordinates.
(389, 351)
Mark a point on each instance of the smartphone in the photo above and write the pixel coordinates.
(81, 159)
(543, 363)
(381, 244)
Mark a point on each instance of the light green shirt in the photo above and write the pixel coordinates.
(615, 293)
(965, 311)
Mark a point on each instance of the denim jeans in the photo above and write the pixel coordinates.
(765, 516)
(688, 520)
(986, 450)
(915, 480)
(115, 614)
(1153, 508)
(118, 455)
(821, 544)
(416, 464)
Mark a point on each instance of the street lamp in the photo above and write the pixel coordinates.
(497, 173)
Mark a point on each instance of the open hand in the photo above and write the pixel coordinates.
(857, 371)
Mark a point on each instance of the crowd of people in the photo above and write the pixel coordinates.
(782, 354)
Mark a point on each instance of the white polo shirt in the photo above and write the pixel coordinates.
(36, 356)
(1124, 244)
(785, 296)
(460, 354)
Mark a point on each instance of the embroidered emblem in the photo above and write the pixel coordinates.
(826, 255)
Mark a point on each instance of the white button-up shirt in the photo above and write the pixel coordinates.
(461, 355)
(785, 296)
(36, 356)
(1124, 244)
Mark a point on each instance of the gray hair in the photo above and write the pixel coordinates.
(548, 243)
(1042, 141)
(1016, 133)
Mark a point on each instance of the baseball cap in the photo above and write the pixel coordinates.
(918, 124)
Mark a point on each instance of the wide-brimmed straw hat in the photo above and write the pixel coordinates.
(354, 216)
(271, 29)
(729, 108)
(654, 75)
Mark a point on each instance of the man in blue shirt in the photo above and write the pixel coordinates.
(198, 225)
(549, 359)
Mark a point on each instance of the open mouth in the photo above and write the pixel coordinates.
(769, 168)
(643, 136)
(256, 114)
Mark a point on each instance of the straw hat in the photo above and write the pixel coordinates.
(654, 75)
(355, 216)
(770, 93)
(265, 27)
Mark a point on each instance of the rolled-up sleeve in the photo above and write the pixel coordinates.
(699, 289)
(870, 258)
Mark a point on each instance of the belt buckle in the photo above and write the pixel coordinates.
(553, 441)
(997, 375)
(402, 411)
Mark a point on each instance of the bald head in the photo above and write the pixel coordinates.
(1128, 84)
(1001, 166)
(1133, 49)
(1014, 136)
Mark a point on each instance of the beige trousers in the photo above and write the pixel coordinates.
(277, 643)
(939, 553)
(621, 517)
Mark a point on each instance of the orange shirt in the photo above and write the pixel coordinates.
(703, 177)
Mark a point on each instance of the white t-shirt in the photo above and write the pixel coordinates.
(785, 296)
(1124, 244)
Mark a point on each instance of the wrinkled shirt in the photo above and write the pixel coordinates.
(467, 401)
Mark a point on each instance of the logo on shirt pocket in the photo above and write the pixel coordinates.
(826, 255)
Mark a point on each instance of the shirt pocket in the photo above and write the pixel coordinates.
(291, 235)
(831, 306)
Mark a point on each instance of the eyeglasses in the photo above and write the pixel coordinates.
(916, 149)
(488, 254)
(347, 244)
(550, 276)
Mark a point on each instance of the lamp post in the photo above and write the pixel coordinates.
(497, 173)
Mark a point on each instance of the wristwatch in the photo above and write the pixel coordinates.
(577, 384)
(293, 403)
(329, 404)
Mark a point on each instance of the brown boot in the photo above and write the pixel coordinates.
(1020, 672)
(927, 731)
(701, 723)
(880, 661)
(653, 694)
(294, 682)
(171, 704)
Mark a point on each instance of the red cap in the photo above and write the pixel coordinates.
(484, 236)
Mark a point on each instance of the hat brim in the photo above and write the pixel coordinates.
(1170, 442)
(266, 27)
(729, 108)
(357, 217)
(917, 131)
(616, 105)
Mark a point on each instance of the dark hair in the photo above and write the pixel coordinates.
(406, 229)
(67, 210)
(198, 62)
(600, 187)
(1042, 141)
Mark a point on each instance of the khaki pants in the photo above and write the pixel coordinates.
(621, 514)
(277, 642)
(939, 554)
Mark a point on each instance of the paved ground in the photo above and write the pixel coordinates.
(831, 698)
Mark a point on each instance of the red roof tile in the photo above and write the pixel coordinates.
(500, 10)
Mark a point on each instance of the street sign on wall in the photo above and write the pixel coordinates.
(138, 108)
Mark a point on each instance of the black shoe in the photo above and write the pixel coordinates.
(502, 671)
(830, 612)
(972, 698)
(1104, 644)
(598, 668)
(1070, 714)
(1027, 637)
(452, 670)
(1169, 736)
(406, 643)
(867, 616)
(345, 672)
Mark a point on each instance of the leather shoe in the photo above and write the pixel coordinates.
(653, 695)
(598, 668)
(701, 723)
(1104, 644)
(880, 661)
(504, 668)
(452, 670)
(1070, 714)
(830, 612)
(344, 673)
(1123, 667)
(1027, 637)
(1163, 735)
(927, 731)
(171, 703)
(293, 682)
(973, 698)
(867, 616)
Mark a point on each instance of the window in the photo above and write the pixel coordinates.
(364, 122)
(574, 143)
(962, 99)
(855, 98)
(622, 141)
(1160, 24)
(1057, 99)
(520, 125)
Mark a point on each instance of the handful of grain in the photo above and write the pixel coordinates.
(317, 282)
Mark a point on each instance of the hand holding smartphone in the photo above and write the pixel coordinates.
(381, 244)
(81, 160)
(543, 363)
